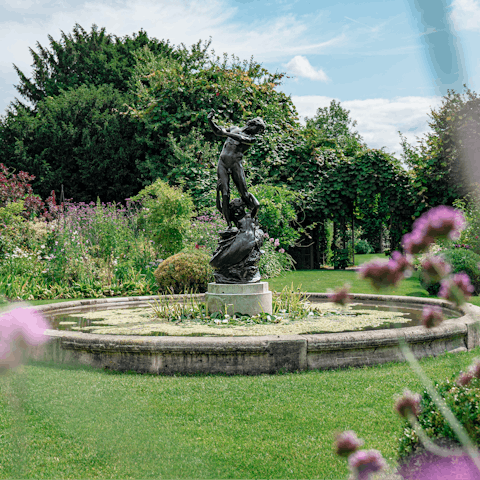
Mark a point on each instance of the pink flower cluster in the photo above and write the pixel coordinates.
(432, 316)
(20, 328)
(473, 372)
(456, 289)
(361, 462)
(383, 273)
(438, 222)
(365, 462)
(341, 295)
(408, 403)
(347, 443)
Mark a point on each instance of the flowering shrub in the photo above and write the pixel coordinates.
(463, 399)
(274, 260)
(204, 231)
(457, 261)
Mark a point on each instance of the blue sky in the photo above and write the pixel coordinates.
(380, 59)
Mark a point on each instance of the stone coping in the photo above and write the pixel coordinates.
(256, 354)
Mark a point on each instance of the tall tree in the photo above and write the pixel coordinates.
(436, 162)
(85, 58)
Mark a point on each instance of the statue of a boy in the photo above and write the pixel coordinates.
(230, 163)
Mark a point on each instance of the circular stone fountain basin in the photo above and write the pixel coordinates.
(262, 352)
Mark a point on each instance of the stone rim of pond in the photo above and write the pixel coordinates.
(260, 354)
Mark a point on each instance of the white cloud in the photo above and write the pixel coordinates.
(466, 14)
(379, 120)
(180, 22)
(300, 66)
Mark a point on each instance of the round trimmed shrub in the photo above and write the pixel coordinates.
(463, 401)
(461, 260)
(186, 271)
(363, 247)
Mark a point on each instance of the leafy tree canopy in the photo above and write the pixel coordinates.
(174, 96)
(78, 139)
(85, 58)
(435, 163)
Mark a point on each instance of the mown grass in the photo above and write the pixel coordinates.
(77, 422)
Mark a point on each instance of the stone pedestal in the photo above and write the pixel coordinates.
(247, 298)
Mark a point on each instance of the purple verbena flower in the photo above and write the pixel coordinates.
(347, 443)
(456, 289)
(416, 242)
(464, 379)
(20, 328)
(365, 462)
(438, 222)
(341, 295)
(408, 403)
(385, 273)
(281, 250)
(434, 269)
(432, 316)
(475, 368)
(444, 222)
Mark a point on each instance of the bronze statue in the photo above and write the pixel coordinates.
(236, 258)
(230, 163)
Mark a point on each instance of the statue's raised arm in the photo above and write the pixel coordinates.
(230, 163)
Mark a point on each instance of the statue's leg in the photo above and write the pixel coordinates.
(223, 193)
(238, 177)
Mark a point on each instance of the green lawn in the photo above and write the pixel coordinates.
(75, 422)
(85, 423)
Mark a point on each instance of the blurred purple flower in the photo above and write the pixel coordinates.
(277, 242)
(427, 466)
(272, 239)
(438, 222)
(347, 443)
(408, 403)
(464, 379)
(432, 316)
(475, 368)
(385, 273)
(341, 295)
(434, 269)
(365, 462)
(456, 289)
(281, 250)
(20, 328)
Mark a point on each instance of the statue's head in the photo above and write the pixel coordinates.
(237, 209)
(255, 125)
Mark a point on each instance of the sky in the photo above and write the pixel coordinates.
(388, 62)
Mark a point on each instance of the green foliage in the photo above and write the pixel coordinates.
(333, 123)
(175, 95)
(92, 58)
(436, 169)
(471, 209)
(204, 231)
(185, 272)
(165, 215)
(79, 139)
(362, 247)
(192, 166)
(12, 229)
(464, 402)
(274, 262)
(277, 214)
(461, 260)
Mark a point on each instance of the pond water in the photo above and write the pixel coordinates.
(323, 318)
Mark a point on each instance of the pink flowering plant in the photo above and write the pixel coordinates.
(438, 223)
(20, 328)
